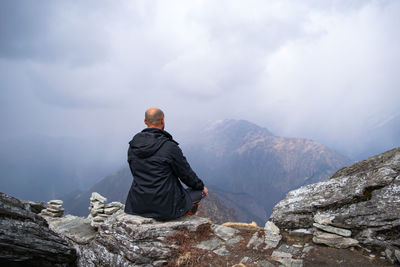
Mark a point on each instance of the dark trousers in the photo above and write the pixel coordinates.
(196, 196)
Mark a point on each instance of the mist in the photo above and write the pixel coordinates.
(86, 71)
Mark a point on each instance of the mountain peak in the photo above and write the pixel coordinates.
(240, 127)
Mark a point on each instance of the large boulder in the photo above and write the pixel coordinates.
(364, 198)
(122, 239)
(25, 238)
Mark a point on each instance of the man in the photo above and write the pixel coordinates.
(156, 163)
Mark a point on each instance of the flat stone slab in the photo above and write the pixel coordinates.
(322, 219)
(97, 197)
(111, 210)
(234, 240)
(56, 202)
(75, 228)
(222, 251)
(334, 240)
(209, 244)
(331, 229)
(225, 232)
(114, 204)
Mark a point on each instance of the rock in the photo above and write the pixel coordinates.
(97, 197)
(77, 229)
(307, 248)
(234, 240)
(272, 240)
(34, 206)
(272, 228)
(286, 259)
(333, 240)
(300, 232)
(54, 209)
(363, 198)
(272, 236)
(225, 232)
(26, 240)
(245, 259)
(94, 212)
(397, 254)
(111, 210)
(265, 264)
(222, 251)
(331, 229)
(114, 204)
(256, 241)
(290, 249)
(54, 206)
(322, 219)
(124, 240)
(56, 202)
(209, 244)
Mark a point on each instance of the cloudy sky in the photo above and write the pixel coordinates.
(326, 70)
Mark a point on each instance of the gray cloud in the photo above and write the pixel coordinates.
(320, 69)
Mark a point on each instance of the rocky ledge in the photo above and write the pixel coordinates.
(358, 204)
(25, 238)
(351, 219)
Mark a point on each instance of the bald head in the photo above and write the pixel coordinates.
(154, 117)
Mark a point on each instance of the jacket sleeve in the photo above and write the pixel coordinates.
(182, 169)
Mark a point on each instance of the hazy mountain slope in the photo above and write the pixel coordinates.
(241, 157)
(43, 167)
(382, 137)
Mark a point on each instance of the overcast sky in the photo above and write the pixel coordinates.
(316, 69)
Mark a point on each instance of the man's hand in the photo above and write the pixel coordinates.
(205, 192)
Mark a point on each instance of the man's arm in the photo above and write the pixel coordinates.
(182, 169)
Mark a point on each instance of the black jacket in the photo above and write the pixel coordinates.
(156, 162)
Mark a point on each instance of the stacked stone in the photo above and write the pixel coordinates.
(99, 211)
(332, 236)
(53, 209)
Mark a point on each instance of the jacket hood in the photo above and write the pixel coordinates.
(148, 142)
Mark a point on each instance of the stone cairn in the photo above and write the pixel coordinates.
(53, 209)
(99, 211)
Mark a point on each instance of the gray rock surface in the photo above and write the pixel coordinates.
(364, 198)
(123, 240)
(26, 240)
(222, 251)
(209, 244)
(397, 254)
(34, 206)
(225, 232)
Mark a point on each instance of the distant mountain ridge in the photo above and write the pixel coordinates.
(246, 166)
(241, 157)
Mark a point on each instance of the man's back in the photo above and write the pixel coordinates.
(156, 162)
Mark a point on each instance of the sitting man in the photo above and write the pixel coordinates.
(156, 163)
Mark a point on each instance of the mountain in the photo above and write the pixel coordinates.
(243, 158)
